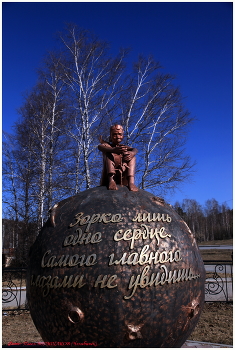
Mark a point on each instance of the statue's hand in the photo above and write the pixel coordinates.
(119, 149)
(128, 156)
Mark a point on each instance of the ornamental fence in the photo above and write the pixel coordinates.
(14, 289)
(218, 285)
(219, 281)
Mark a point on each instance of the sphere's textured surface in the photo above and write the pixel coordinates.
(118, 269)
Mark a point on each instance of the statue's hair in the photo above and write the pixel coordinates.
(116, 126)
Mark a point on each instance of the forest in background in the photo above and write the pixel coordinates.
(212, 221)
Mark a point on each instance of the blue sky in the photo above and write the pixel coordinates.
(191, 40)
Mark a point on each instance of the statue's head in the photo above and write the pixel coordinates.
(116, 134)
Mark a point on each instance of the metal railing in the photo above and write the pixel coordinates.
(219, 281)
(218, 285)
(14, 289)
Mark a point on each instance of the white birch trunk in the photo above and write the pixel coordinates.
(42, 180)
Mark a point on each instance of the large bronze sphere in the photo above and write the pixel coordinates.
(115, 269)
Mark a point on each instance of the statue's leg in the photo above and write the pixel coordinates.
(110, 166)
(112, 184)
(131, 175)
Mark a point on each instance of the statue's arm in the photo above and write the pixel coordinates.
(129, 152)
(133, 150)
(105, 147)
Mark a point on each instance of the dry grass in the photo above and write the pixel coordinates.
(215, 326)
(19, 328)
(216, 255)
(218, 242)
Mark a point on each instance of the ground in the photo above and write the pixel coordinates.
(18, 327)
(215, 325)
(217, 254)
(218, 242)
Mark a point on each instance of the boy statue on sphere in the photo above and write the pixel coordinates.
(119, 161)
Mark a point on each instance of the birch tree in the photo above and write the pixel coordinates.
(226, 217)
(17, 179)
(57, 119)
(212, 210)
(17, 204)
(195, 217)
(95, 82)
(33, 123)
(41, 118)
(10, 176)
(156, 121)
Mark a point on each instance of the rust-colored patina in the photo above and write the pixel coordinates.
(115, 269)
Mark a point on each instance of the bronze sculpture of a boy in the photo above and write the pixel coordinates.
(119, 161)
